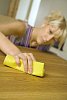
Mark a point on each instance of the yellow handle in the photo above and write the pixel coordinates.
(38, 67)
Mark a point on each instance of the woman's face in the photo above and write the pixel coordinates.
(48, 34)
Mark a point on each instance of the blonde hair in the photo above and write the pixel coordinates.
(56, 19)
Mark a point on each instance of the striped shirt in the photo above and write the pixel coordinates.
(25, 41)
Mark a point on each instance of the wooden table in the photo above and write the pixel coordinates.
(15, 85)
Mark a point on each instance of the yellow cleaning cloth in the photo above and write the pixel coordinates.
(38, 67)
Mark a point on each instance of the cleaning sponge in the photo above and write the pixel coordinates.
(38, 67)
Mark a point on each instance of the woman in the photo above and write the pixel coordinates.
(51, 33)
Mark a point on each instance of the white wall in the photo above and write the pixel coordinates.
(4, 5)
(34, 11)
(22, 9)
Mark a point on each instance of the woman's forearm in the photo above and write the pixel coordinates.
(7, 47)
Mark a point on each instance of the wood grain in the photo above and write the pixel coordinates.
(15, 85)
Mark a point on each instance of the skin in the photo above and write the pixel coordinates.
(9, 48)
(42, 35)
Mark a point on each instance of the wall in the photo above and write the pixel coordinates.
(47, 6)
(4, 5)
(28, 10)
(22, 9)
(33, 12)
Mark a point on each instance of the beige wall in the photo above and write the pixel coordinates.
(4, 5)
(47, 6)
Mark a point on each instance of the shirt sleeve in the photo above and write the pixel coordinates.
(23, 41)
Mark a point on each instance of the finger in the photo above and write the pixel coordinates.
(30, 63)
(31, 55)
(24, 60)
(17, 60)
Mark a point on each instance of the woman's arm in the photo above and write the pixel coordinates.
(9, 48)
(15, 27)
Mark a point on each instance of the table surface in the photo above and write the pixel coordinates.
(15, 85)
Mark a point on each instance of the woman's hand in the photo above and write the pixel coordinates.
(27, 59)
(9, 48)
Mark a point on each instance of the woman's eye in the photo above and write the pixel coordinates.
(50, 32)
